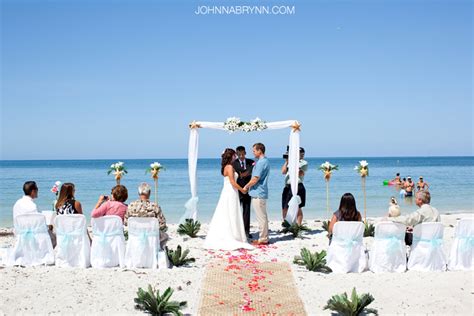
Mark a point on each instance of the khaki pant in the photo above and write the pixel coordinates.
(260, 207)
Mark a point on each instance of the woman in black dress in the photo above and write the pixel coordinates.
(66, 203)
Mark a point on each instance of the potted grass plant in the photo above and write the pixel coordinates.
(153, 303)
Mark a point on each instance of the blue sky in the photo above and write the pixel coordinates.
(122, 79)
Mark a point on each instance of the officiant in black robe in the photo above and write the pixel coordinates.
(243, 167)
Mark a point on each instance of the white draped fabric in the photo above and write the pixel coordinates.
(293, 164)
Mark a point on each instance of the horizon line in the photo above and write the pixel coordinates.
(185, 158)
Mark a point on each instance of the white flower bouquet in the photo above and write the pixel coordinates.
(362, 168)
(155, 169)
(327, 168)
(118, 169)
(258, 125)
(233, 124)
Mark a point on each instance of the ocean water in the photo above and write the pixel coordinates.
(451, 181)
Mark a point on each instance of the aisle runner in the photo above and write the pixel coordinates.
(239, 285)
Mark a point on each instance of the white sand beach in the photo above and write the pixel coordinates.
(51, 290)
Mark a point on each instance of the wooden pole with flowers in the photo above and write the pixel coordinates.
(363, 170)
(327, 168)
(155, 169)
(118, 169)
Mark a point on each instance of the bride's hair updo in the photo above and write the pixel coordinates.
(227, 157)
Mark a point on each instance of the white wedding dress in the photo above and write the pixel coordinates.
(226, 230)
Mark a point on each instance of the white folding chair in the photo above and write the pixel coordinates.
(108, 244)
(426, 251)
(389, 252)
(461, 256)
(33, 244)
(143, 243)
(346, 252)
(73, 245)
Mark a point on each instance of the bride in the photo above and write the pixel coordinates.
(226, 230)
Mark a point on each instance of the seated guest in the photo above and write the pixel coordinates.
(114, 206)
(66, 203)
(144, 208)
(26, 205)
(425, 213)
(394, 209)
(347, 212)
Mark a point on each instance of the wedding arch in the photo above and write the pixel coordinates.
(234, 124)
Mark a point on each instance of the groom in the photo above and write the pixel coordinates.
(258, 190)
(243, 166)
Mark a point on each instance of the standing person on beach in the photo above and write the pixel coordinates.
(114, 206)
(396, 180)
(67, 204)
(226, 230)
(258, 190)
(243, 166)
(287, 194)
(425, 213)
(421, 185)
(409, 187)
(26, 205)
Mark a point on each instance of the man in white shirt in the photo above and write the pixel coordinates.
(425, 213)
(26, 205)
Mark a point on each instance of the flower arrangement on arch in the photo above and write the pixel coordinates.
(118, 169)
(233, 124)
(362, 168)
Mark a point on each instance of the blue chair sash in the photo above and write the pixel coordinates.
(435, 242)
(103, 236)
(466, 243)
(67, 237)
(28, 235)
(393, 243)
(349, 243)
(143, 236)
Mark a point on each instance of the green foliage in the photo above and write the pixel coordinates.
(295, 229)
(355, 306)
(190, 228)
(326, 225)
(156, 304)
(178, 258)
(313, 261)
(369, 230)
